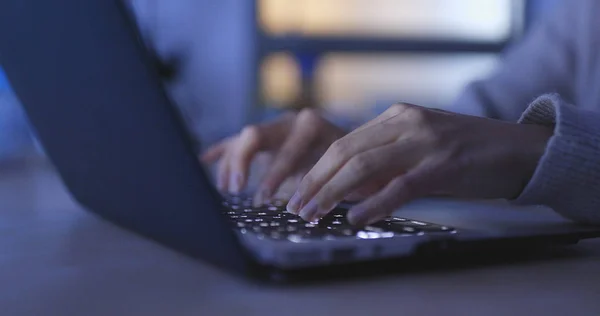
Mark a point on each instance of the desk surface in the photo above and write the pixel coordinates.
(57, 259)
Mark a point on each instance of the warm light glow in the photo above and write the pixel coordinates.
(280, 79)
(359, 84)
(472, 19)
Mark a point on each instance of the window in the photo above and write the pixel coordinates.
(464, 19)
(356, 57)
(362, 84)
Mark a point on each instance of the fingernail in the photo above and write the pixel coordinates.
(293, 204)
(309, 211)
(262, 197)
(235, 183)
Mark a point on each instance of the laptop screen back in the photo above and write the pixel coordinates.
(98, 106)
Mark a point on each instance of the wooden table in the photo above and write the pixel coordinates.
(57, 259)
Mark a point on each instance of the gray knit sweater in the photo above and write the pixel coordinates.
(552, 78)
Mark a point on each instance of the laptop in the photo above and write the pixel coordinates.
(96, 101)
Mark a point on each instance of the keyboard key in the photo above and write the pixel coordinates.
(295, 238)
(408, 229)
(276, 235)
(274, 222)
(374, 229)
(348, 232)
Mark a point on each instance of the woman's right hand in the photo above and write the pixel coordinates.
(294, 141)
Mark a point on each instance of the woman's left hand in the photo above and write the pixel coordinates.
(410, 152)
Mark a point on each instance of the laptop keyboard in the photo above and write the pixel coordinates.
(274, 222)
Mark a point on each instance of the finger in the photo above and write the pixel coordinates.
(376, 132)
(251, 141)
(223, 172)
(366, 190)
(341, 151)
(243, 150)
(215, 152)
(291, 155)
(415, 184)
(360, 169)
(380, 135)
(287, 188)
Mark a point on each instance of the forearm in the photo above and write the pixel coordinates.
(567, 177)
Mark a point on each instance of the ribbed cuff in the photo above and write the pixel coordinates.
(567, 178)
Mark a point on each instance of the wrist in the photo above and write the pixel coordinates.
(536, 138)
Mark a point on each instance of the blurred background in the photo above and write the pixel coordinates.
(229, 63)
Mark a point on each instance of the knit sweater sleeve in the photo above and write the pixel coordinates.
(543, 61)
(567, 178)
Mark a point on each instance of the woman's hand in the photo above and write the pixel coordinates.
(295, 141)
(410, 152)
